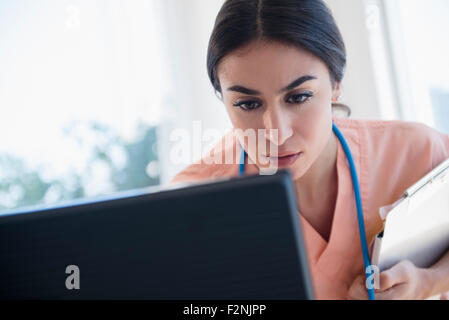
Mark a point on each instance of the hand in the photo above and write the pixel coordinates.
(404, 281)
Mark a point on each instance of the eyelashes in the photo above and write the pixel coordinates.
(299, 98)
(247, 105)
(294, 99)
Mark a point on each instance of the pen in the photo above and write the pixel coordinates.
(376, 248)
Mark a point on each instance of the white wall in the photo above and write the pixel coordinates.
(359, 90)
(188, 25)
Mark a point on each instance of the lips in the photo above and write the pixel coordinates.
(286, 159)
(288, 155)
(284, 155)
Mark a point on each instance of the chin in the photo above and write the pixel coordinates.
(297, 172)
(296, 175)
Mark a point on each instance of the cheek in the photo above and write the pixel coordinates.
(243, 121)
(245, 125)
(313, 126)
(236, 119)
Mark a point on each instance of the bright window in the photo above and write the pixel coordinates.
(420, 49)
(81, 84)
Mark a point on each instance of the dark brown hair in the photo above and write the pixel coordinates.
(307, 24)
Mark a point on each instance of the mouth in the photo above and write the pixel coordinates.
(283, 155)
(286, 159)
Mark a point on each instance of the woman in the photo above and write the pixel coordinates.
(278, 65)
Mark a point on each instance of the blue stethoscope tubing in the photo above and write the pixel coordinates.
(358, 200)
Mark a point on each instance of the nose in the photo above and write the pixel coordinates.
(277, 119)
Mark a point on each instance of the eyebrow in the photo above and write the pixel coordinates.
(291, 86)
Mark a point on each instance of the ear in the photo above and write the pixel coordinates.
(336, 92)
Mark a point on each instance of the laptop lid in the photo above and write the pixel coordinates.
(232, 239)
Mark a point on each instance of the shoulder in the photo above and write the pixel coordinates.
(393, 137)
(221, 161)
(392, 155)
(386, 126)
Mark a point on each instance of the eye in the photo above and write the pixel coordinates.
(299, 98)
(247, 105)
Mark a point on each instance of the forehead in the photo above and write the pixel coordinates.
(268, 66)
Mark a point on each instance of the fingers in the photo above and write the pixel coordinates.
(386, 281)
(394, 283)
(398, 292)
(357, 291)
(395, 275)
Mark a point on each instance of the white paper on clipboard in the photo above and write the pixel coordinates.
(417, 225)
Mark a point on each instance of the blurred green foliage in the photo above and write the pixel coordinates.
(22, 186)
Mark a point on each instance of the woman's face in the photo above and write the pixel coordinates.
(269, 85)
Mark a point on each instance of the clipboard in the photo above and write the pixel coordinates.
(417, 225)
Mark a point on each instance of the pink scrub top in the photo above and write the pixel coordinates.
(389, 156)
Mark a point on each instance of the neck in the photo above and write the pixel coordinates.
(320, 180)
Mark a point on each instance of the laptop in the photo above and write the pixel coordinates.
(230, 239)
